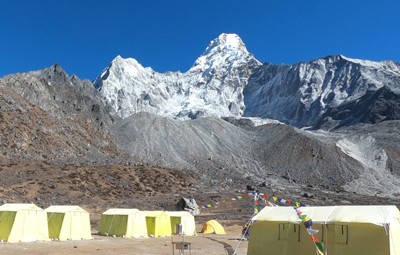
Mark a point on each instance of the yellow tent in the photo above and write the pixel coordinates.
(213, 226)
(68, 222)
(123, 223)
(356, 230)
(185, 219)
(23, 223)
(158, 223)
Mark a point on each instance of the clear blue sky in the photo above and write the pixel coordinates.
(168, 35)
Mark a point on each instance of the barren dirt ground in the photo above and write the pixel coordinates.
(201, 244)
(97, 189)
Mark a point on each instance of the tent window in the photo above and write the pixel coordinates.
(341, 234)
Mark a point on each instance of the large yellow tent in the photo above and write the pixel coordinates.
(123, 223)
(213, 226)
(23, 223)
(68, 222)
(185, 219)
(355, 230)
(158, 223)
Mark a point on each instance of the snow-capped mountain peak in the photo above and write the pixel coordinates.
(129, 65)
(226, 42)
(222, 52)
(213, 86)
(226, 80)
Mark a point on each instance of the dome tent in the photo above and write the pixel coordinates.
(213, 226)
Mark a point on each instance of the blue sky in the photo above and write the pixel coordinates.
(84, 36)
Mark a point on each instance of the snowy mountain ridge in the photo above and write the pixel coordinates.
(213, 86)
(227, 80)
(299, 94)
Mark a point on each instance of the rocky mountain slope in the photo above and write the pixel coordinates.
(104, 146)
(276, 154)
(57, 147)
(48, 115)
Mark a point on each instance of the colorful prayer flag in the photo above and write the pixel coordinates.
(308, 223)
(320, 247)
(312, 231)
(302, 217)
(255, 210)
(314, 239)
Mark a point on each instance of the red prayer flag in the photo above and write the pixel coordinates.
(315, 240)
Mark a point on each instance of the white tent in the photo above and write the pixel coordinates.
(158, 223)
(372, 230)
(68, 222)
(23, 223)
(123, 222)
(185, 219)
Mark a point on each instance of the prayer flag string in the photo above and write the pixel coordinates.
(259, 200)
(307, 222)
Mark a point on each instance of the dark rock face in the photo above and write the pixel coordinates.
(374, 107)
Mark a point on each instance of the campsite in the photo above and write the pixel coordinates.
(201, 244)
(210, 243)
(232, 209)
(278, 225)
